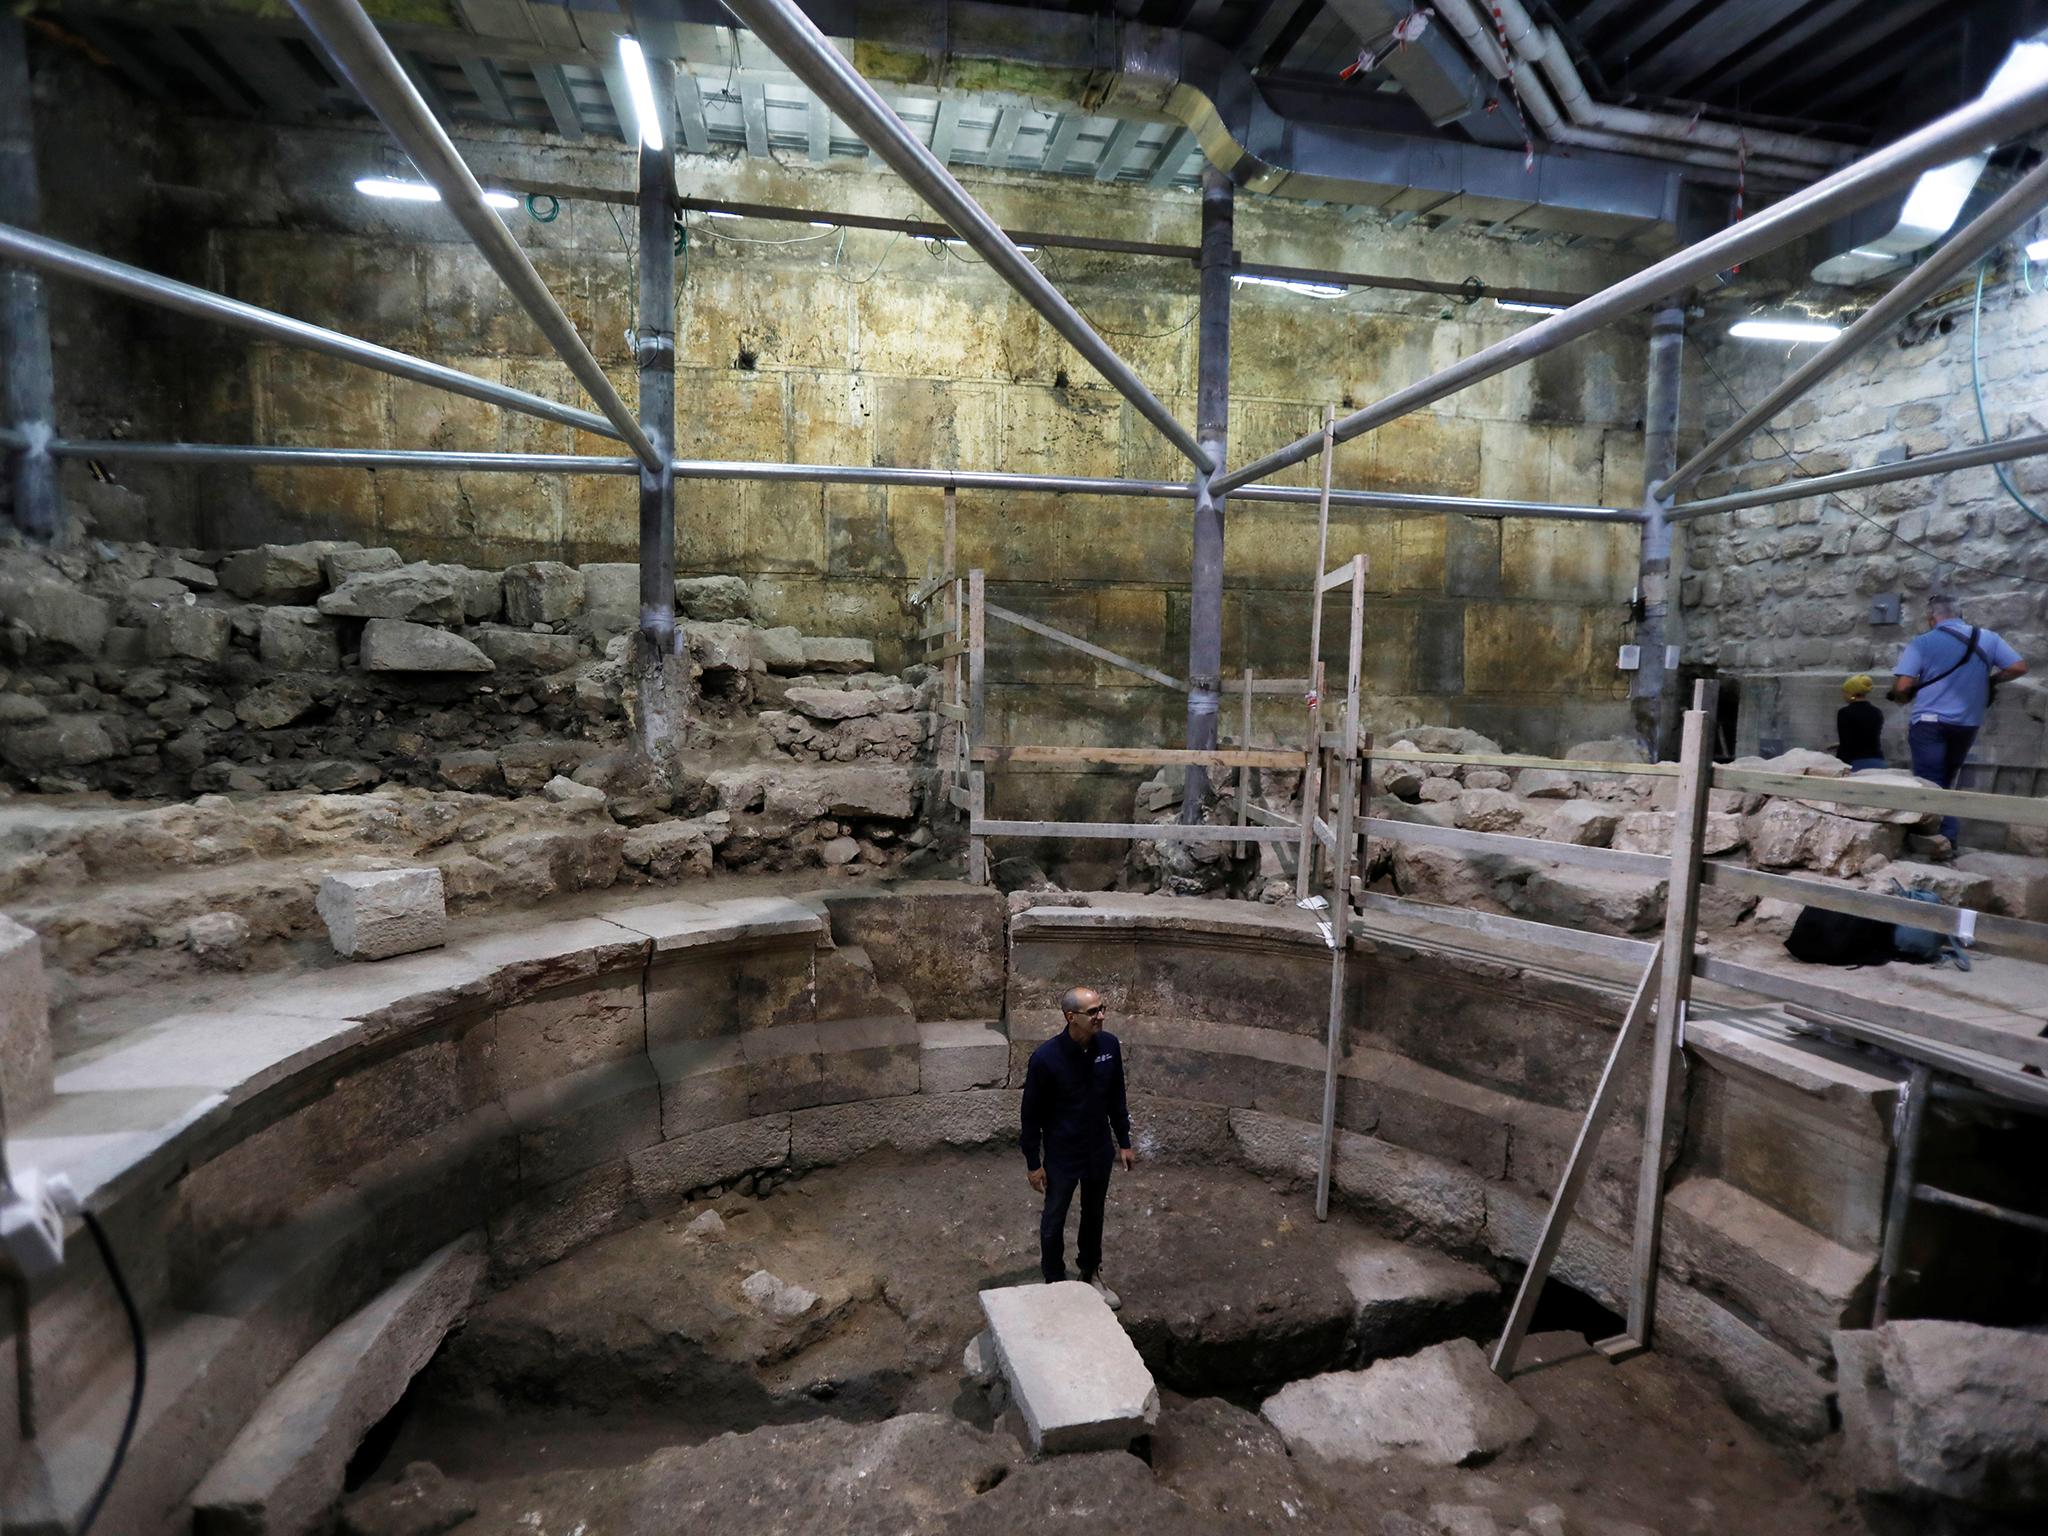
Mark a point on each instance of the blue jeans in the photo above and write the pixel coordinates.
(1052, 1222)
(1939, 752)
(1857, 765)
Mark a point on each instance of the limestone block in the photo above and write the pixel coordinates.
(522, 650)
(1589, 823)
(25, 1070)
(1401, 780)
(1546, 784)
(566, 792)
(186, 629)
(193, 575)
(272, 706)
(1918, 820)
(1611, 749)
(422, 592)
(611, 595)
(721, 647)
(1819, 765)
(780, 649)
(1591, 899)
(467, 770)
(298, 640)
(397, 645)
(423, 1502)
(1436, 789)
(340, 564)
(1839, 845)
(1778, 834)
(374, 914)
(958, 1054)
(56, 613)
(1485, 778)
(1441, 1406)
(2019, 884)
(281, 573)
(837, 655)
(1073, 1372)
(1423, 873)
(778, 1298)
(888, 792)
(834, 703)
(62, 741)
(542, 592)
(1650, 832)
(284, 1471)
(713, 598)
(667, 850)
(1489, 810)
(1956, 886)
(483, 592)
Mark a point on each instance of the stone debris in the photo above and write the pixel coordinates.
(219, 941)
(423, 1502)
(1441, 1405)
(978, 1361)
(425, 593)
(542, 592)
(375, 914)
(576, 797)
(1075, 1376)
(397, 645)
(777, 1298)
(25, 1058)
(706, 1227)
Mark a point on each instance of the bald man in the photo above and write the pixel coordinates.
(1073, 1106)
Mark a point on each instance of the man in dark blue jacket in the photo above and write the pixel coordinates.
(1073, 1104)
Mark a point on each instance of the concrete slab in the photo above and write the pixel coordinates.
(1074, 1374)
(1441, 1405)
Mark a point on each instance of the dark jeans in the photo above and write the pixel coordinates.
(1939, 751)
(1052, 1223)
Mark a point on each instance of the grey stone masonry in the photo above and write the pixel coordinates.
(1076, 1377)
(374, 914)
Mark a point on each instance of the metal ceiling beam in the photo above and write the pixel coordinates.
(754, 115)
(421, 74)
(621, 98)
(489, 91)
(689, 118)
(172, 44)
(1066, 134)
(108, 42)
(1650, 24)
(1009, 123)
(1117, 149)
(1731, 25)
(1172, 156)
(554, 90)
(812, 58)
(267, 67)
(1865, 31)
(818, 131)
(351, 41)
(1961, 132)
(1794, 37)
(943, 127)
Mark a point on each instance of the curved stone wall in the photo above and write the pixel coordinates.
(269, 1167)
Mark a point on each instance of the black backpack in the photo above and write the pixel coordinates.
(1821, 937)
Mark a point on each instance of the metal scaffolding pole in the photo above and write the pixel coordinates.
(27, 379)
(1968, 130)
(352, 42)
(654, 350)
(2020, 203)
(147, 287)
(810, 56)
(1878, 474)
(1653, 705)
(1212, 420)
(115, 451)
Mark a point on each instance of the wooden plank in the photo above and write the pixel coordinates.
(1343, 851)
(1143, 757)
(1325, 834)
(1999, 1079)
(1576, 1167)
(1334, 578)
(1075, 643)
(977, 844)
(2001, 1045)
(977, 658)
(1266, 818)
(1517, 930)
(945, 653)
(1311, 788)
(2008, 934)
(950, 711)
(1514, 760)
(1970, 804)
(960, 798)
(931, 587)
(1272, 685)
(936, 628)
(1508, 846)
(1674, 988)
(1244, 772)
(1133, 831)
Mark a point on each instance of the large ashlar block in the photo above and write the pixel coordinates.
(374, 914)
(1442, 1406)
(1076, 1377)
(24, 1024)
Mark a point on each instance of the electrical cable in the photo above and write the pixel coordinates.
(141, 1343)
(1977, 389)
(1785, 452)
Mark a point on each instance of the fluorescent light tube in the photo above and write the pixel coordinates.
(719, 213)
(640, 86)
(822, 224)
(1526, 307)
(420, 192)
(1293, 285)
(2037, 250)
(1784, 330)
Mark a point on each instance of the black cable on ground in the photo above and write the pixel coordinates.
(99, 1498)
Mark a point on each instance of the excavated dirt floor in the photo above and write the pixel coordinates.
(635, 1388)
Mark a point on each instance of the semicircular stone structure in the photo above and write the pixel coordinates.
(269, 1168)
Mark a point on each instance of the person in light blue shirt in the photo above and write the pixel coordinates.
(1945, 678)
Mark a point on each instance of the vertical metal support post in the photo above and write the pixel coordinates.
(977, 716)
(951, 767)
(1311, 770)
(27, 381)
(1674, 989)
(1908, 1119)
(1341, 860)
(1653, 701)
(662, 681)
(1244, 772)
(1212, 420)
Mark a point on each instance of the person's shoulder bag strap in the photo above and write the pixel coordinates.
(1962, 661)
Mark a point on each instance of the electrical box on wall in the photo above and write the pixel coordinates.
(1885, 608)
(1631, 658)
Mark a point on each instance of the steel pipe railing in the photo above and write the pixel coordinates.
(2019, 203)
(63, 260)
(1968, 130)
(1878, 474)
(352, 42)
(810, 56)
(800, 474)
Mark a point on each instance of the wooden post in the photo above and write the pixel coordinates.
(1576, 1167)
(1315, 618)
(1674, 988)
(977, 722)
(1907, 1120)
(1311, 782)
(1342, 858)
(952, 732)
(1244, 774)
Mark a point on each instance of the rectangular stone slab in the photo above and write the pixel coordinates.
(1076, 1377)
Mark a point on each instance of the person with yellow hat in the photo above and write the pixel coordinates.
(1859, 725)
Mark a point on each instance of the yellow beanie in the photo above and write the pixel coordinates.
(1857, 686)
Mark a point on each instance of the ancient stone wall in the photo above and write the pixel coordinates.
(1781, 597)
(872, 348)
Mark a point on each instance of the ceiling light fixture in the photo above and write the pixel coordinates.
(2037, 250)
(822, 224)
(640, 86)
(1528, 307)
(392, 188)
(1784, 330)
(1292, 285)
